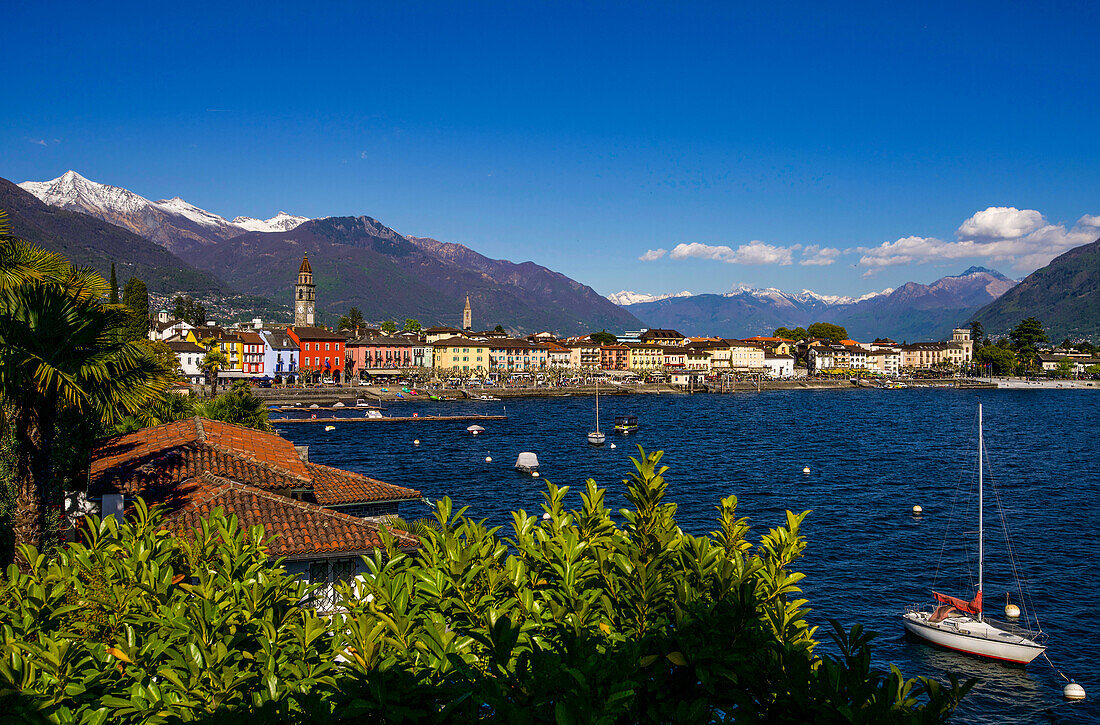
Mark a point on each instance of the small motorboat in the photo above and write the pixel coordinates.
(626, 424)
(337, 404)
(374, 413)
(475, 429)
(527, 462)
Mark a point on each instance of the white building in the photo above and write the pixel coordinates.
(779, 366)
(190, 357)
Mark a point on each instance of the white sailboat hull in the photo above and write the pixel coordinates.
(597, 438)
(964, 634)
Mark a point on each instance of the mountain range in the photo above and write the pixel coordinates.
(911, 312)
(357, 261)
(89, 242)
(1064, 295)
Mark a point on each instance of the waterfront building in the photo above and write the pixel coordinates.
(779, 366)
(280, 355)
(745, 356)
(511, 354)
(665, 338)
(557, 355)
(644, 356)
(820, 357)
(614, 357)
(774, 345)
(252, 353)
(383, 352)
(584, 355)
(461, 353)
(319, 350)
(190, 358)
(305, 295)
(674, 357)
(166, 329)
(320, 520)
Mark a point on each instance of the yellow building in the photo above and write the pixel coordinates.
(642, 356)
(229, 343)
(460, 353)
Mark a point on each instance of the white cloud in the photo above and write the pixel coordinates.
(653, 255)
(39, 141)
(998, 234)
(817, 256)
(755, 252)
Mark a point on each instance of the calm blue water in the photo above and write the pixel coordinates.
(873, 454)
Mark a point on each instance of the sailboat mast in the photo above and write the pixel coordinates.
(981, 512)
(597, 406)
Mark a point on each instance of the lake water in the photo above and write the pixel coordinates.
(873, 454)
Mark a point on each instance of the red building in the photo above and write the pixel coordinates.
(320, 351)
(253, 353)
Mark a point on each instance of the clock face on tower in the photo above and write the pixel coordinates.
(299, 308)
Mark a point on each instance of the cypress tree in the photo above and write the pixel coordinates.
(136, 296)
(114, 285)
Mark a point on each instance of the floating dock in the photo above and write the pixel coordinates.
(390, 419)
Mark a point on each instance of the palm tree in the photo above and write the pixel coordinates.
(214, 361)
(60, 348)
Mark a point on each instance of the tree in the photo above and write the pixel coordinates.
(977, 334)
(63, 351)
(161, 353)
(499, 328)
(603, 337)
(113, 299)
(135, 297)
(212, 363)
(188, 310)
(798, 333)
(412, 325)
(1026, 338)
(1093, 370)
(389, 327)
(1002, 359)
(239, 406)
(827, 331)
(353, 320)
(1064, 368)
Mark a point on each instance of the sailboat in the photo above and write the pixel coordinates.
(961, 624)
(596, 437)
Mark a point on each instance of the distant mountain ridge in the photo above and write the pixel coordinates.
(1064, 295)
(358, 261)
(913, 311)
(172, 223)
(88, 241)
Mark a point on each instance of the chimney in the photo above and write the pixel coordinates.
(303, 453)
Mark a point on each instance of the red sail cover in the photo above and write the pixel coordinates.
(974, 606)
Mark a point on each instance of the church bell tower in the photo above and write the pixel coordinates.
(305, 294)
(467, 316)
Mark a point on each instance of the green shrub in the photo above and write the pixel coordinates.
(578, 617)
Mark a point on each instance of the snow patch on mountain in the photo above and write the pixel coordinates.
(281, 222)
(76, 193)
(629, 297)
(806, 296)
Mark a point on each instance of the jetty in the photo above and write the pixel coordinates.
(390, 419)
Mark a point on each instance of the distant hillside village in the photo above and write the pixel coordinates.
(305, 352)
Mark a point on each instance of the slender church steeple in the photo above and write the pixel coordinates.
(467, 316)
(305, 295)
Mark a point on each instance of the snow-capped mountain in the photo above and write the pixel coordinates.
(281, 222)
(172, 223)
(912, 311)
(772, 294)
(629, 297)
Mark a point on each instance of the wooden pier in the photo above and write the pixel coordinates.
(391, 419)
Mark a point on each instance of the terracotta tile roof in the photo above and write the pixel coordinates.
(333, 487)
(164, 456)
(298, 529)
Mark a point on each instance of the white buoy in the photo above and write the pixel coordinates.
(612, 445)
(1073, 691)
(806, 470)
(330, 427)
(476, 432)
(416, 442)
(546, 516)
(918, 510)
(534, 474)
(1012, 611)
(488, 459)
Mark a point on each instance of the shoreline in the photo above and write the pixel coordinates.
(373, 393)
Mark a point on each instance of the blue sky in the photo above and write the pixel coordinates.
(744, 141)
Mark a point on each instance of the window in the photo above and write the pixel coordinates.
(326, 346)
(337, 346)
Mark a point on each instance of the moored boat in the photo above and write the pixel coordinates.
(626, 423)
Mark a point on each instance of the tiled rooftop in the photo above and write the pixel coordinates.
(297, 528)
(333, 486)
